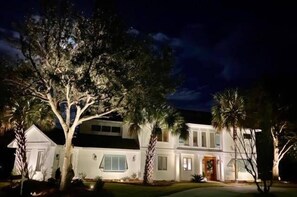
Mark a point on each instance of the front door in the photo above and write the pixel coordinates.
(210, 168)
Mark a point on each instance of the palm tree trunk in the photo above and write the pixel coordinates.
(66, 164)
(150, 158)
(235, 154)
(21, 149)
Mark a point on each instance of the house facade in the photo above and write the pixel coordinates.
(104, 148)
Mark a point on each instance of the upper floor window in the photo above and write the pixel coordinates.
(163, 137)
(212, 140)
(107, 129)
(218, 140)
(195, 138)
(184, 142)
(203, 139)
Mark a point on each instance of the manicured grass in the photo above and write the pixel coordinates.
(125, 190)
(3, 184)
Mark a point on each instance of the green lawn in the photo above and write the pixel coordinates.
(3, 184)
(123, 190)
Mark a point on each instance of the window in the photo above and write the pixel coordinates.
(162, 163)
(218, 141)
(187, 164)
(242, 164)
(96, 128)
(195, 138)
(116, 129)
(106, 129)
(163, 137)
(114, 163)
(212, 140)
(203, 139)
(247, 136)
(40, 160)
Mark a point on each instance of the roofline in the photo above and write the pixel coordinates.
(33, 126)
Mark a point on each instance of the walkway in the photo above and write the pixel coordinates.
(233, 190)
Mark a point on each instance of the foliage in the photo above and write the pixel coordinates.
(228, 111)
(271, 108)
(83, 67)
(99, 184)
(197, 178)
(77, 183)
(159, 118)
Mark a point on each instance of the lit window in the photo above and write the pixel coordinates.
(187, 164)
(218, 141)
(114, 163)
(195, 138)
(203, 138)
(40, 160)
(212, 140)
(162, 163)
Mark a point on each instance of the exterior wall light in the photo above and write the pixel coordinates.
(94, 156)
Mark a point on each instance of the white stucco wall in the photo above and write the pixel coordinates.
(85, 163)
(37, 141)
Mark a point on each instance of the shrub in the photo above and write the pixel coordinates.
(197, 178)
(77, 183)
(99, 184)
(52, 182)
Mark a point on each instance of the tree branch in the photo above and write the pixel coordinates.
(56, 112)
(96, 116)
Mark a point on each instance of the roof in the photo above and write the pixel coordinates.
(96, 141)
(196, 117)
(104, 141)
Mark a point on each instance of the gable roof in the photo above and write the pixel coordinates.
(104, 141)
(196, 117)
(33, 135)
(96, 141)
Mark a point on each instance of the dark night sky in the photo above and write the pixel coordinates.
(217, 44)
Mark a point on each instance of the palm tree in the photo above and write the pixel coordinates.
(160, 119)
(18, 115)
(228, 112)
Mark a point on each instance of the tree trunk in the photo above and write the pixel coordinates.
(275, 168)
(235, 154)
(66, 163)
(149, 162)
(21, 149)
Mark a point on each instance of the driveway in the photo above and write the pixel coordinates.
(233, 190)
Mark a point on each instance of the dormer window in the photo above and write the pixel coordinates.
(106, 129)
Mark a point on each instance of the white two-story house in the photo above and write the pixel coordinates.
(103, 147)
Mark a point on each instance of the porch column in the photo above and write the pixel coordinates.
(200, 167)
(177, 167)
(221, 167)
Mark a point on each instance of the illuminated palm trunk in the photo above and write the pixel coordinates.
(21, 150)
(150, 158)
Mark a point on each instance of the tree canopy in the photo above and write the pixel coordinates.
(86, 67)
